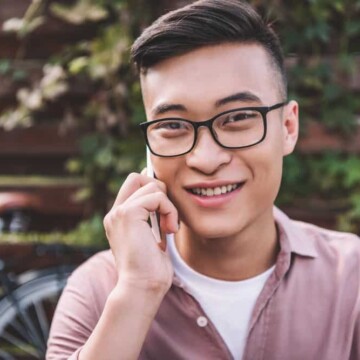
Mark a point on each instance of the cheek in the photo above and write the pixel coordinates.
(166, 170)
(269, 166)
(266, 163)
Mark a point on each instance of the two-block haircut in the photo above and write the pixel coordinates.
(206, 23)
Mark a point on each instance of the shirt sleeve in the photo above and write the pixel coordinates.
(79, 308)
(355, 347)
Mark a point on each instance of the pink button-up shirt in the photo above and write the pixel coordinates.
(309, 308)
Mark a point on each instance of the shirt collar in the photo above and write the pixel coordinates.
(293, 238)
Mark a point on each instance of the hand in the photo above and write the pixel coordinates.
(141, 262)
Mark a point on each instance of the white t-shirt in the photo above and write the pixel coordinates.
(228, 304)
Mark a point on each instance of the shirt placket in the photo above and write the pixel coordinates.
(204, 322)
(255, 347)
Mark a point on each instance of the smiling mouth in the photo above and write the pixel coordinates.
(215, 191)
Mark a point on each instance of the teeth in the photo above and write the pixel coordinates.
(214, 191)
(209, 192)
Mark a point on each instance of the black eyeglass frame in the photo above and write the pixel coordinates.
(263, 110)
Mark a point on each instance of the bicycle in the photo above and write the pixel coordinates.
(28, 301)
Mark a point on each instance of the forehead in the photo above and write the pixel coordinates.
(202, 76)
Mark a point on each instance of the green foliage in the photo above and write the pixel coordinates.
(82, 11)
(331, 179)
(87, 233)
(329, 175)
(322, 41)
(5, 66)
(324, 37)
(6, 69)
(106, 160)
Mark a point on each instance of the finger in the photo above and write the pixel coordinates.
(161, 204)
(149, 188)
(144, 171)
(132, 183)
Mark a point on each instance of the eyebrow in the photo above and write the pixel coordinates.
(164, 108)
(240, 96)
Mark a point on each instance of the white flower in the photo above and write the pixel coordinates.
(13, 25)
(34, 101)
(15, 118)
(30, 99)
(54, 90)
(98, 71)
(53, 83)
(53, 73)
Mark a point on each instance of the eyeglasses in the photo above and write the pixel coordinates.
(232, 129)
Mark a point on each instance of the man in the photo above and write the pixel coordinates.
(238, 279)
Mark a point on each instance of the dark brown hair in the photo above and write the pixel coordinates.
(205, 23)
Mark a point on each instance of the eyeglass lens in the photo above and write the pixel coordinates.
(238, 128)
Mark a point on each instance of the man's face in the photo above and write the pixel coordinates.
(197, 86)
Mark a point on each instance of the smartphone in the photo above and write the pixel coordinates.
(153, 216)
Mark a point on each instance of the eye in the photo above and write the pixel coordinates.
(239, 120)
(240, 116)
(171, 125)
(170, 128)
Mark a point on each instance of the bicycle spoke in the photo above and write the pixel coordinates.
(20, 344)
(42, 319)
(32, 330)
(6, 356)
(26, 313)
(19, 329)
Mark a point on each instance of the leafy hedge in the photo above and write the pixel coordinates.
(322, 41)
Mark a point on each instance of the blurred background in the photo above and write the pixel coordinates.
(70, 104)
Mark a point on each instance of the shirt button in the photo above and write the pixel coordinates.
(202, 321)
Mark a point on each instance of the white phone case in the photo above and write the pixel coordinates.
(153, 217)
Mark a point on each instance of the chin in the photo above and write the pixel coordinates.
(214, 230)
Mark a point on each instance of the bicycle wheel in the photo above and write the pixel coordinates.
(26, 313)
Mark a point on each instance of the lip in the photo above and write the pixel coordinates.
(216, 200)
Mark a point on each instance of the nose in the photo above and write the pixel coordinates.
(207, 156)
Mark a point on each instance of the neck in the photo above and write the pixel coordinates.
(235, 258)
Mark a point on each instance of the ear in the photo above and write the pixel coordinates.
(290, 127)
